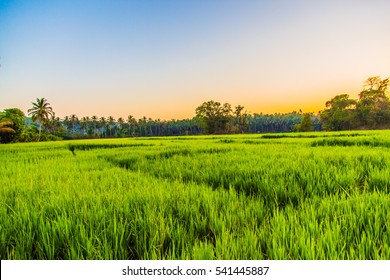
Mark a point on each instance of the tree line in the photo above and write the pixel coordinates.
(43, 125)
(370, 111)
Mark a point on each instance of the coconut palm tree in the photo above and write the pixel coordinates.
(53, 124)
(121, 122)
(74, 121)
(94, 123)
(4, 127)
(111, 124)
(132, 122)
(102, 124)
(85, 122)
(40, 112)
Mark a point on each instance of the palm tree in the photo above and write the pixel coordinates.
(40, 112)
(111, 124)
(6, 130)
(94, 122)
(132, 122)
(150, 123)
(121, 122)
(53, 124)
(85, 124)
(4, 127)
(141, 124)
(102, 124)
(74, 121)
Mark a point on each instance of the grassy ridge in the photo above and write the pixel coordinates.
(217, 197)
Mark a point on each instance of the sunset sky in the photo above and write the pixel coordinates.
(163, 58)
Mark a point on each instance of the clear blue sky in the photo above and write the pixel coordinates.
(162, 59)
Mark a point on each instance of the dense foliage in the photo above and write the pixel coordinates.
(13, 125)
(371, 111)
(71, 127)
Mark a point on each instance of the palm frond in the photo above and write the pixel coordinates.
(6, 130)
(4, 127)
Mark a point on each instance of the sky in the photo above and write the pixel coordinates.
(163, 58)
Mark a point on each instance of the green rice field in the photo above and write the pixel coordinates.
(273, 196)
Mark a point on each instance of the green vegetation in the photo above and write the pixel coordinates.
(41, 112)
(276, 196)
(11, 125)
(371, 111)
(216, 118)
(306, 125)
(5, 127)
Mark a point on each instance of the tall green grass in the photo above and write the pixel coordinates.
(197, 198)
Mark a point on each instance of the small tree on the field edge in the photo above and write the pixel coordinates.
(306, 124)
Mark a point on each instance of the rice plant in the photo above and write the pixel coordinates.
(206, 197)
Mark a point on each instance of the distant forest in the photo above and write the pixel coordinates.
(370, 111)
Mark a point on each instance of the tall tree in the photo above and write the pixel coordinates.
(241, 122)
(306, 124)
(111, 124)
(121, 122)
(56, 127)
(94, 123)
(84, 124)
(142, 124)
(41, 112)
(74, 121)
(132, 122)
(340, 113)
(214, 117)
(102, 124)
(373, 107)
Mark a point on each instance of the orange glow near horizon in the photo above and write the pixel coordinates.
(163, 59)
(185, 108)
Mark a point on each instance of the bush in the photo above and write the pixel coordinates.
(31, 135)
